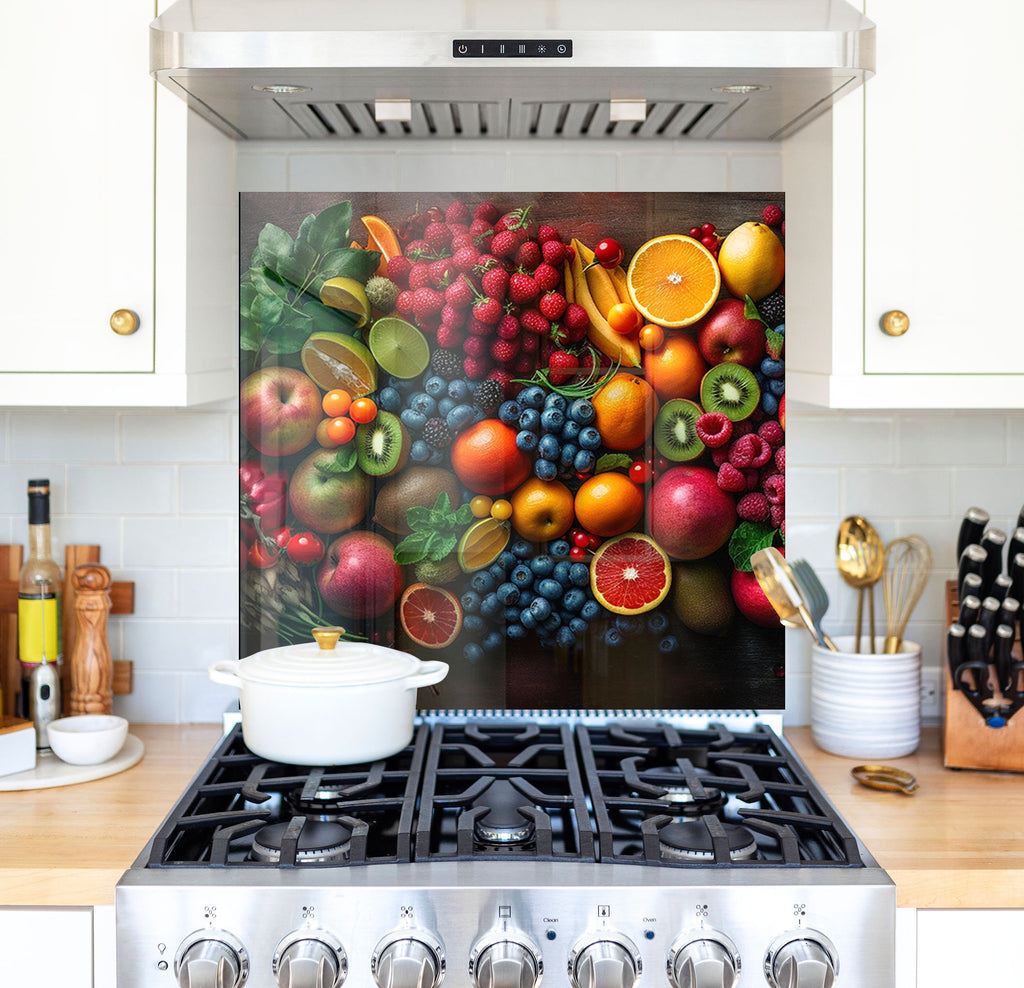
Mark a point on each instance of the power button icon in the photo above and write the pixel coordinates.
(463, 49)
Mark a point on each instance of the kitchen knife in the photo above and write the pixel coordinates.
(1000, 587)
(1017, 575)
(988, 618)
(970, 608)
(1002, 658)
(956, 652)
(973, 524)
(1020, 518)
(977, 666)
(971, 587)
(1009, 612)
(992, 542)
(972, 560)
(1016, 545)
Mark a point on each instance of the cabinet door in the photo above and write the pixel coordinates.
(77, 190)
(953, 945)
(46, 947)
(943, 212)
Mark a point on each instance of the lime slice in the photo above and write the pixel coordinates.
(482, 543)
(348, 295)
(334, 360)
(399, 347)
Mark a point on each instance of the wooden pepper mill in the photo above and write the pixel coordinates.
(92, 670)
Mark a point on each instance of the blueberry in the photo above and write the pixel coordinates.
(777, 386)
(772, 368)
(445, 406)
(549, 588)
(769, 403)
(555, 400)
(405, 385)
(560, 549)
(479, 415)
(422, 402)
(494, 641)
(579, 574)
(561, 572)
(570, 430)
(507, 593)
(522, 575)
(526, 440)
(545, 470)
(472, 652)
(568, 455)
(389, 399)
(668, 645)
(533, 396)
(419, 452)
(435, 386)
(459, 417)
(412, 419)
(513, 614)
(577, 625)
(589, 438)
(526, 598)
(781, 329)
(552, 623)
(530, 419)
(542, 565)
(491, 607)
(436, 458)
(458, 390)
(515, 632)
(474, 624)
(582, 411)
(552, 419)
(506, 560)
(470, 602)
(657, 622)
(509, 412)
(540, 608)
(760, 378)
(527, 620)
(548, 448)
(573, 600)
(564, 638)
(522, 549)
(584, 461)
(590, 610)
(498, 572)
(627, 624)
(482, 581)
(613, 637)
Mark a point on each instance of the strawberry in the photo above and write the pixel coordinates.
(516, 221)
(481, 231)
(523, 364)
(547, 277)
(417, 249)
(475, 368)
(508, 327)
(438, 236)
(426, 303)
(576, 316)
(476, 327)
(504, 351)
(495, 283)
(553, 252)
(547, 233)
(450, 337)
(398, 270)
(452, 316)
(464, 259)
(486, 211)
(552, 305)
(530, 342)
(460, 240)
(487, 310)
(457, 212)
(475, 346)
(528, 255)
(419, 276)
(522, 288)
(532, 320)
(504, 244)
(458, 229)
(459, 293)
(403, 304)
(440, 271)
(562, 366)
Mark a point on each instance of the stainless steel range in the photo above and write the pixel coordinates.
(498, 852)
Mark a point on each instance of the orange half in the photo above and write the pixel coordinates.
(673, 280)
(381, 237)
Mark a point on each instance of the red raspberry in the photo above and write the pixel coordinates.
(532, 320)
(522, 289)
(749, 451)
(504, 244)
(475, 346)
(504, 351)
(771, 432)
(488, 311)
(459, 294)
(547, 233)
(460, 230)
(495, 284)
(575, 317)
(452, 316)
(440, 271)
(562, 366)
(464, 259)
(720, 455)
(552, 305)
(775, 488)
(777, 513)
(475, 368)
(486, 211)
(457, 212)
(419, 276)
(528, 255)
(426, 303)
(742, 428)
(523, 364)
(530, 342)
(508, 327)
(780, 459)
(460, 241)
(553, 252)
(714, 429)
(416, 249)
(477, 328)
(438, 236)
(398, 270)
(771, 215)
(730, 479)
(480, 230)
(752, 477)
(403, 304)
(548, 277)
(449, 336)
(503, 377)
(752, 507)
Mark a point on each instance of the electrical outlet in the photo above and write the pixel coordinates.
(931, 694)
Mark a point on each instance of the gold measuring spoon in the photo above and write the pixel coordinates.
(860, 559)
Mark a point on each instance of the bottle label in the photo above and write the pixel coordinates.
(39, 622)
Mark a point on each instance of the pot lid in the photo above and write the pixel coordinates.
(328, 662)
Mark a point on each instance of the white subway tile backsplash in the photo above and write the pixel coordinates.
(928, 440)
(674, 172)
(203, 701)
(999, 490)
(179, 645)
(468, 171)
(168, 437)
(83, 437)
(573, 170)
(363, 172)
(156, 591)
(114, 489)
(811, 492)
(155, 698)
(208, 594)
(208, 490)
(821, 439)
(180, 542)
(101, 530)
(897, 493)
(14, 478)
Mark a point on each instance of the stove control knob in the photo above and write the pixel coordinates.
(408, 959)
(211, 959)
(705, 960)
(801, 959)
(310, 959)
(505, 961)
(606, 960)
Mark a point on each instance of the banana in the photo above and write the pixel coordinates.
(614, 345)
(602, 288)
(621, 285)
(570, 285)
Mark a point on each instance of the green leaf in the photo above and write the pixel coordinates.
(418, 517)
(274, 243)
(747, 538)
(443, 546)
(774, 343)
(305, 226)
(412, 549)
(612, 461)
(289, 335)
(249, 335)
(346, 458)
(330, 228)
(348, 262)
(463, 514)
(750, 309)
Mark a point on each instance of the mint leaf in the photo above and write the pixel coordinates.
(418, 517)
(747, 538)
(774, 343)
(412, 549)
(612, 461)
(330, 228)
(463, 514)
(443, 546)
(750, 309)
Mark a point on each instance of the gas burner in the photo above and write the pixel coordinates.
(326, 803)
(681, 801)
(691, 841)
(502, 824)
(318, 843)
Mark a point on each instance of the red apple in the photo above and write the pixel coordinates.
(325, 500)
(359, 577)
(280, 410)
(726, 335)
(690, 516)
(751, 601)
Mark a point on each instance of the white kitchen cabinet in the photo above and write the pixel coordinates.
(902, 198)
(99, 216)
(968, 947)
(46, 947)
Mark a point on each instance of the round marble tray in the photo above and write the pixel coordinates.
(50, 771)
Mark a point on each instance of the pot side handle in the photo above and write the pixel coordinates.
(223, 672)
(430, 673)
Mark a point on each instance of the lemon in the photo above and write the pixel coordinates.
(348, 295)
(482, 543)
(752, 261)
(399, 347)
(334, 360)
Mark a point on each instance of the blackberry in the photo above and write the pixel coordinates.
(488, 395)
(772, 309)
(446, 363)
(436, 434)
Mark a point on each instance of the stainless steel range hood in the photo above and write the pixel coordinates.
(656, 69)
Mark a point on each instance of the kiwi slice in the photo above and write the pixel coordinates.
(675, 430)
(382, 446)
(730, 389)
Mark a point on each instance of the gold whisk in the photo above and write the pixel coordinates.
(908, 564)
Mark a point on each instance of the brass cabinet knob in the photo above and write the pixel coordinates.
(895, 323)
(124, 322)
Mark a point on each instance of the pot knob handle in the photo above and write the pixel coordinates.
(211, 959)
(328, 637)
(408, 962)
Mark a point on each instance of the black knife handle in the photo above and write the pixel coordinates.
(1017, 575)
(1001, 586)
(988, 618)
(993, 542)
(1015, 545)
(970, 608)
(977, 663)
(1020, 518)
(956, 652)
(1009, 612)
(972, 560)
(1004, 645)
(973, 524)
(971, 587)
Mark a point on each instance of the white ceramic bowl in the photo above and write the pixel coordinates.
(88, 739)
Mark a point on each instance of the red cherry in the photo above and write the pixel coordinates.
(695, 232)
(709, 242)
(581, 539)
(594, 542)
(577, 554)
(661, 463)
(609, 253)
(640, 472)
(707, 229)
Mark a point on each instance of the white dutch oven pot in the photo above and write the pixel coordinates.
(325, 703)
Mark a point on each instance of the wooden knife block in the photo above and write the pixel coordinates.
(967, 741)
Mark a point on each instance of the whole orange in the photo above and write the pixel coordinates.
(542, 510)
(675, 369)
(486, 459)
(609, 504)
(626, 408)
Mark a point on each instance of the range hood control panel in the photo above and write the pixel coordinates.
(514, 48)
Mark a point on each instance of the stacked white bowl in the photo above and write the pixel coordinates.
(866, 705)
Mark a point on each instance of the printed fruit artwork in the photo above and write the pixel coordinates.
(519, 425)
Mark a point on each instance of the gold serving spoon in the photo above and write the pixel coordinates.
(860, 559)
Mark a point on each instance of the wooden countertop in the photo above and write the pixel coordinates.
(958, 843)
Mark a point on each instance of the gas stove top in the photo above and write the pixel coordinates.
(495, 848)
